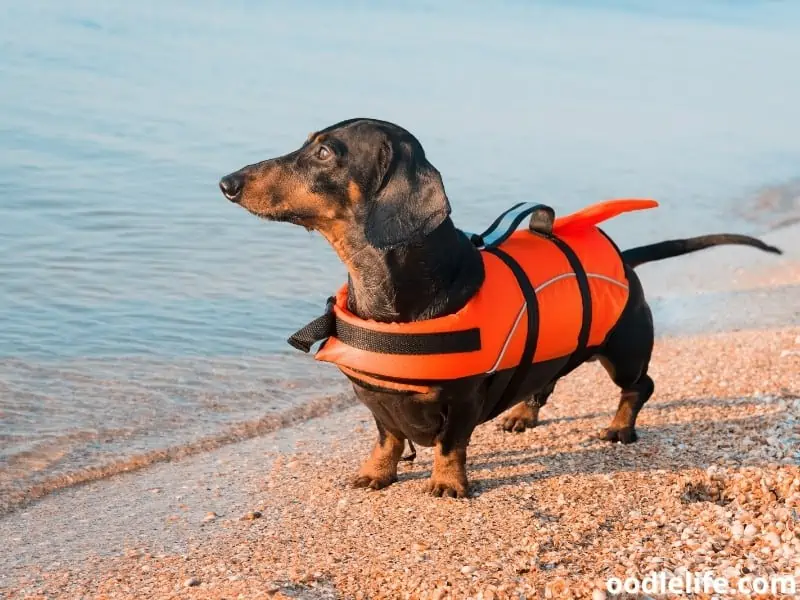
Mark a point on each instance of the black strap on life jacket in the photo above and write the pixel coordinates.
(502, 392)
(328, 325)
(505, 387)
(586, 298)
(317, 330)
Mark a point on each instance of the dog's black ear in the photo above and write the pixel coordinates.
(409, 201)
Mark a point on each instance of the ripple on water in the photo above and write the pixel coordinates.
(70, 421)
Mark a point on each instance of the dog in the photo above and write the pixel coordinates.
(367, 187)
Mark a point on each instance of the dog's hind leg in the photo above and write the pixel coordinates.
(412, 453)
(633, 397)
(526, 414)
(626, 357)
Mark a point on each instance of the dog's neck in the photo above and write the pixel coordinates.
(432, 277)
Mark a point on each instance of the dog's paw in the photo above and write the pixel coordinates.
(626, 435)
(448, 488)
(520, 418)
(374, 482)
(518, 425)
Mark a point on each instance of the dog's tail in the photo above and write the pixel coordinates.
(667, 249)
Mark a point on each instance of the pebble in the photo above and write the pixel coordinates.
(191, 582)
(467, 569)
(773, 539)
(737, 530)
(750, 531)
(598, 595)
(210, 516)
(251, 516)
(730, 572)
(419, 547)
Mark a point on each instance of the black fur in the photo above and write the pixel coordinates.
(669, 248)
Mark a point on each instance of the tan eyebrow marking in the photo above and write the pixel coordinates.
(354, 192)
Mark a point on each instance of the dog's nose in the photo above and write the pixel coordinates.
(231, 186)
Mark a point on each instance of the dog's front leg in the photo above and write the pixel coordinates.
(449, 476)
(380, 469)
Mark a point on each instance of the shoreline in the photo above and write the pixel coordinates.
(705, 294)
(725, 416)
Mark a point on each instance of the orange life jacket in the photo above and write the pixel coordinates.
(577, 291)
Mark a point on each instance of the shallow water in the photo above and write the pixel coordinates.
(140, 310)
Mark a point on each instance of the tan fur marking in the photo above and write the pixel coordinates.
(626, 411)
(449, 476)
(335, 233)
(264, 185)
(380, 469)
(354, 192)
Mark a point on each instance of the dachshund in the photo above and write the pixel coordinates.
(367, 187)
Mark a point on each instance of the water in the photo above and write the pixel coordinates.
(140, 310)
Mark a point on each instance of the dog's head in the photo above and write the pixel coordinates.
(361, 176)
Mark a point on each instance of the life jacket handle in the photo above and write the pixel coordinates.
(543, 219)
(506, 224)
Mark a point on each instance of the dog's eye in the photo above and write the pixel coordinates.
(324, 153)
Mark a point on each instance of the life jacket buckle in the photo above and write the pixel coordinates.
(317, 330)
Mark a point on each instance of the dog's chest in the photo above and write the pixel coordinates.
(418, 417)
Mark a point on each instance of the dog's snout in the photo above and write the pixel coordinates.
(231, 186)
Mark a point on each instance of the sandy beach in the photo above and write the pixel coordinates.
(713, 484)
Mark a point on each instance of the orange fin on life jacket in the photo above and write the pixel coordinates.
(602, 211)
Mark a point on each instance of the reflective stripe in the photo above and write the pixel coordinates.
(522, 310)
